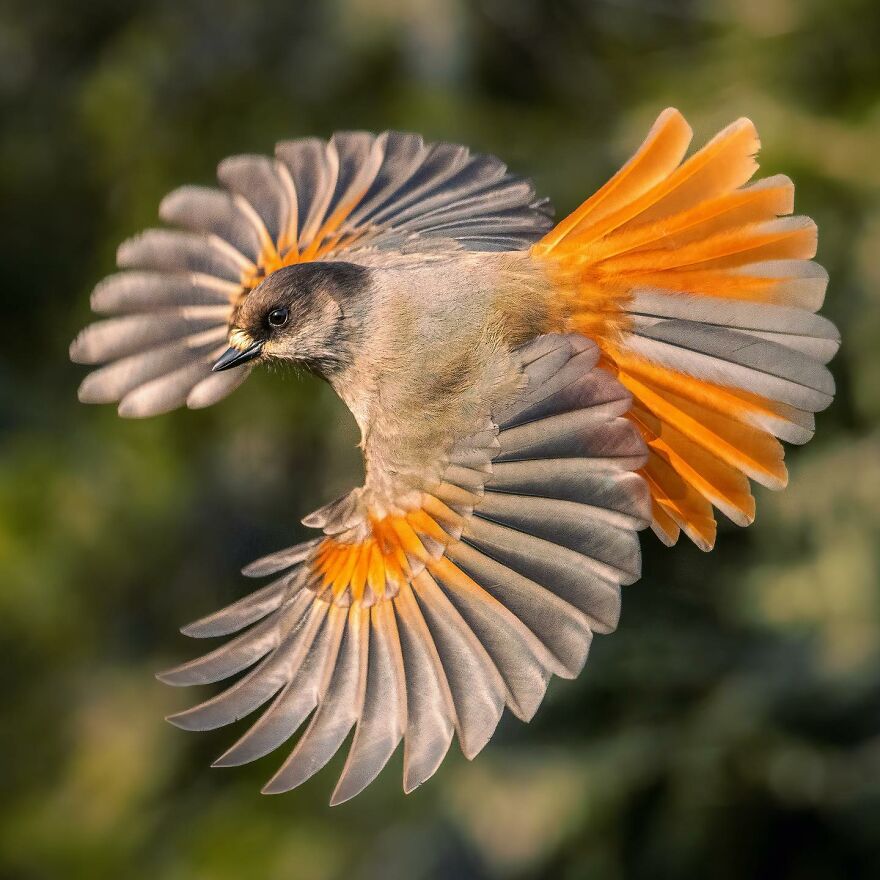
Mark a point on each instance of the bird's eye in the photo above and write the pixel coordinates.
(278, 317)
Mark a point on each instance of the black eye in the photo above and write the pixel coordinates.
(278, 317)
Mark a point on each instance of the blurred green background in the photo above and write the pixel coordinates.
(731, 727)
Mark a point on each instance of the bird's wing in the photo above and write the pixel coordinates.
(702, 297)
(428, 621)
(173, 302)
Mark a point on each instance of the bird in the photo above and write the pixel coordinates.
(530, 396)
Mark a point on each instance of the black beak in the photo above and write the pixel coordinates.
(232, 357)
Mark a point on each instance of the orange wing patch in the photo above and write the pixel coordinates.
(397, 550)
(286, 251)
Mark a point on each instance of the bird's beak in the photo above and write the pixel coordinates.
(233, 357)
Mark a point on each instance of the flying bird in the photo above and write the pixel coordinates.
(529, 397)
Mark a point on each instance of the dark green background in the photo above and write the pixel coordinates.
(730, 729)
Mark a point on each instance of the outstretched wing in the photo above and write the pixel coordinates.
(430, 620)
(177, 293)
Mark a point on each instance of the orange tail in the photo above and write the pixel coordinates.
(702, 297)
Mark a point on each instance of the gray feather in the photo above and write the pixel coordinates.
(407, 188)
(255, 178)
(478, 691)
(259, 685)
(280, 560)
(561, 627)
(337, 711)
(812, 335)
(736, 359)
(202, 209)
(237, 701)
(383, 718)
(546, 355)
(494, 243)
(309, 650)
(135, 291)
(171, 251)
(117, 337)
(337, 516)
(593, 533)
(114, 381)
(360, 155)
(231, 657)
(570, 575)
(167, 392)
(430, 711)
(576, 384)
(586, 433)
(578, 480)
(313, 180)
(519, 656)
(244, 612)
(403, 154)
(216, 386)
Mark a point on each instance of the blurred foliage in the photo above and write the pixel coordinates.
(730, 729)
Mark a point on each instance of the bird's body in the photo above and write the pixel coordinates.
(412, 392)
(529, 397)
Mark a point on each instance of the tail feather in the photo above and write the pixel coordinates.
(701, 293)
(750, 205)
(796, 329)
(659, 155)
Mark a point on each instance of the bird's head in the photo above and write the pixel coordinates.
(306, 313)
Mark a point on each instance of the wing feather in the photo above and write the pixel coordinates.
(340, 704)
(476, 686)
(430, 709)
(314, 200)
(424, 624)
(310, 653)
(382, 721)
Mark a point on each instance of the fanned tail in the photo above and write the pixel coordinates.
(702, 296)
